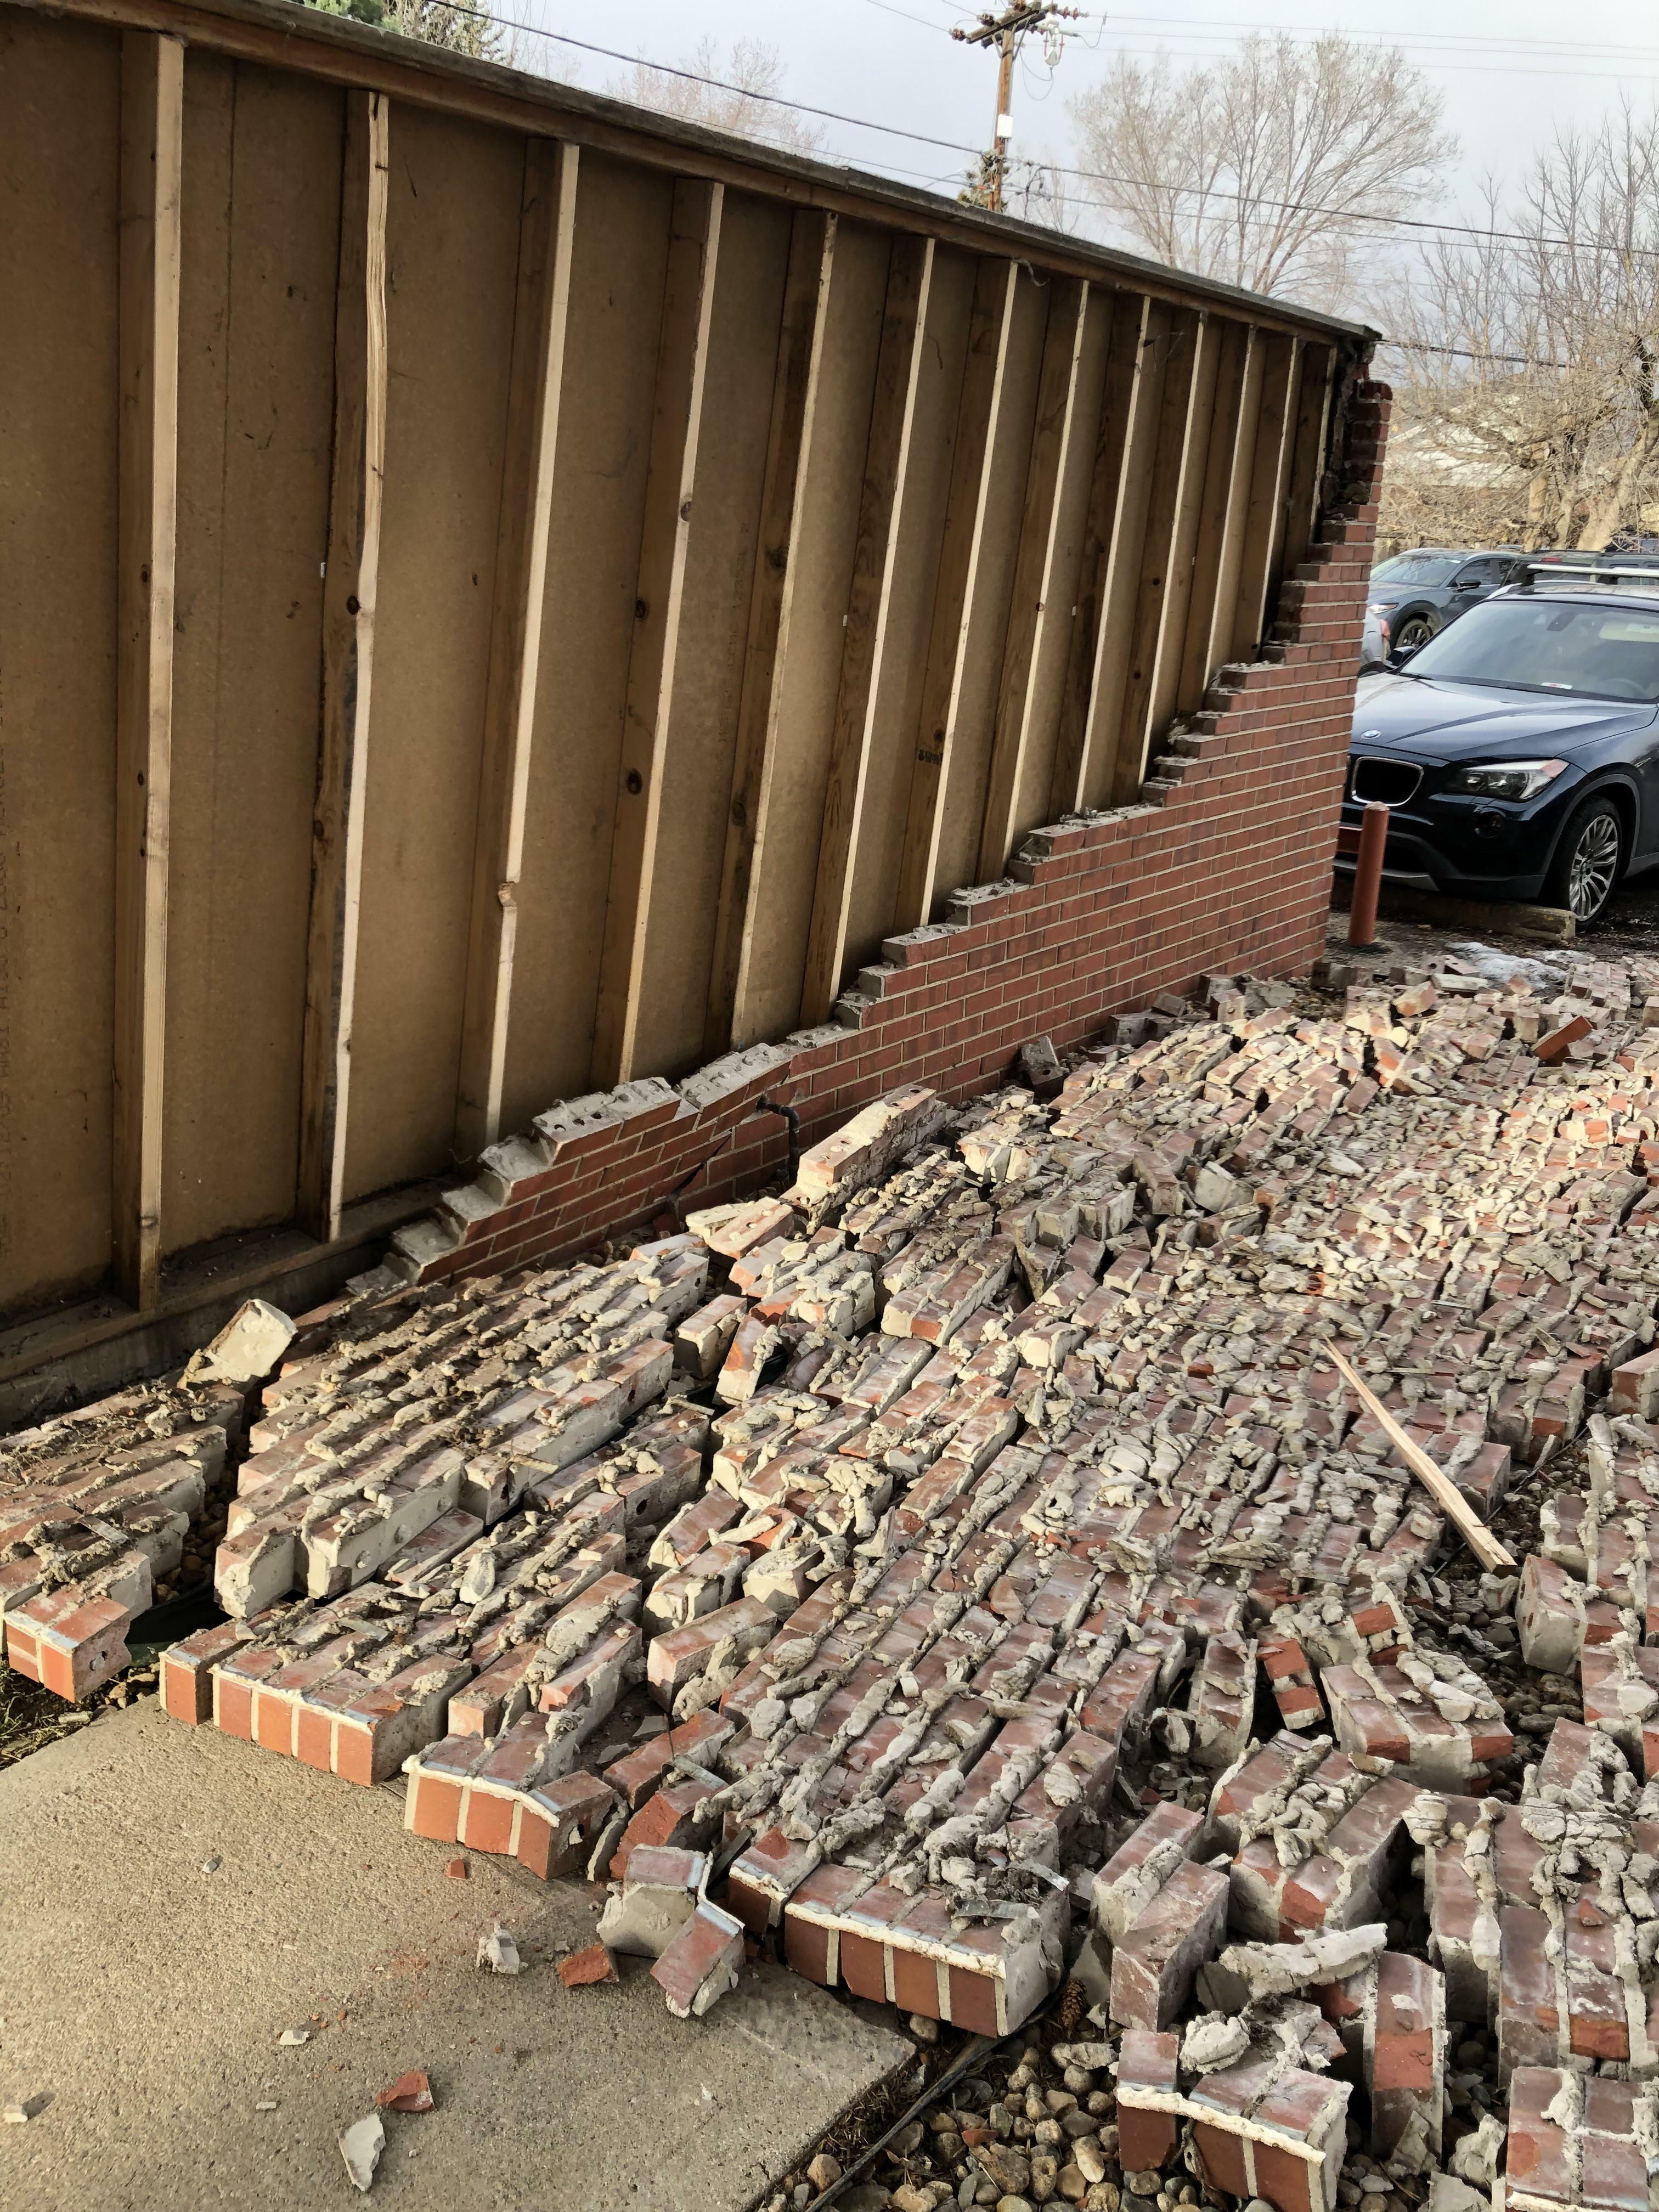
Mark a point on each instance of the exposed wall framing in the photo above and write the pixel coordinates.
(557, 590)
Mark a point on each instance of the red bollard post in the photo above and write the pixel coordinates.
(1368, 878)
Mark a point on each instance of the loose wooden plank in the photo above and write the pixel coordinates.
(1056, 406)
(794, 408)
(546, 245)
(1111, 444)
(1190, 514)
(880, 515)
(1210, 550)
(682, 360)
(956, 602)
(349, 603)
(1263, 510)
(152, 142)
(1479, 1539)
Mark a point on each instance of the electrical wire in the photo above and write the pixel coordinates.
(1484, 236)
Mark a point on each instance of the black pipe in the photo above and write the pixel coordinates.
(789, 1114)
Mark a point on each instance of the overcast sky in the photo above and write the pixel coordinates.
(1511, 70)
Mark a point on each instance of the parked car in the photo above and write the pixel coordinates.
(1519, 750)
(1415, 595)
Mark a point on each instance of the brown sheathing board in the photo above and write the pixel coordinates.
(984, 645)
(902, 673)
(961, 543)
(615, 318)
(889, 493)
(547, 225)
(60, 136)
(261, 248)
(781, 888)
(1062, 568)
(685, 885)
(451, 277)
(797, 377)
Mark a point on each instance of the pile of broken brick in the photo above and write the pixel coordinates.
(994, 1479)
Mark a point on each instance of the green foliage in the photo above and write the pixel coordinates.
(360, 11)
(455, 28)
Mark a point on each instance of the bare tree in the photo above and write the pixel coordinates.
(1262, 169)
(739, 100)
(1532, 354)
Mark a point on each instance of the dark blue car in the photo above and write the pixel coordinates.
(1519, 750)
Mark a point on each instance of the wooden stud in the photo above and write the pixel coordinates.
(794, 408)
(956, 604)
(880, 516)
(1307, 456)
(1197, 663)
(1223, 615)
(152, 145)
(1120, 587)
(1190, 515)
(349, 601)
(664, 540)
(1111, 445)
(546, 242)
(1034, 573)
(1162, 498)
(1263, 510)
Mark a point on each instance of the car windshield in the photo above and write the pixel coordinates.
(1597, 651)
(1417, 569)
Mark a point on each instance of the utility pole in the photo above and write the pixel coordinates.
(1005, 32)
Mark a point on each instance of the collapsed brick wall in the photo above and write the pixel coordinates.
(1224, 863)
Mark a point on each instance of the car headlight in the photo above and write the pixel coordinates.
(1381, 607)
(1507, 779)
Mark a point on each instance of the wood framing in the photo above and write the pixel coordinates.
(152, 145)
(546, 238)
(1263, 510)
(1119, 591)
(1111, 443)
(1172, 443)
(794, 403)
(682, 367)
(1218, 512)
(348, 602)
(957, 602)
(1191, 513)
(1306, 457)
(880, 515)
(1057, 402)
(527, 594)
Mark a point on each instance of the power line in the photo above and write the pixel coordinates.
(1483, 236)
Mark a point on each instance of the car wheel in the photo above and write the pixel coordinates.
(1588, 861)
(1415, 630)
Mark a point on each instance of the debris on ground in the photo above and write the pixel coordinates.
(497, 1952)
(361, 2145)
(410, 2093)
(1014, 1532)
(587, 1969)
(292, 2037)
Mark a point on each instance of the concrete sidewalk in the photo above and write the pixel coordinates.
(147, 1996)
